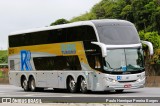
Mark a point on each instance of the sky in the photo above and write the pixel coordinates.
(17, 15)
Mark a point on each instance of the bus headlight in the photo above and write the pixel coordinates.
(142, 77)
(139, 80)
(110, 80)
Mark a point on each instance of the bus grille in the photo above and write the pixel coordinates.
(127, 81)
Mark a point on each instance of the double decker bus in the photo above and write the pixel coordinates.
(95, 55)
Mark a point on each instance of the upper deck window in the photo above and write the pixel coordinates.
(71, 34)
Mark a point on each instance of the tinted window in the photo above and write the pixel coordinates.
(80, 33)
(57, 63)
(95, 61)
(56, 36)
(117, 35)
(94, 55)
(36, 38)
(12, 65)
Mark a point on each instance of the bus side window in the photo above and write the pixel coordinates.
(57, 63)
(80, 33)
(12, 65)
(94, 55)
(95, 61)
(73, 63)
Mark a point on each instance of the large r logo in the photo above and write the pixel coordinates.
(25, 60)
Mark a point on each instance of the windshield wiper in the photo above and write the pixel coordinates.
(131, 67)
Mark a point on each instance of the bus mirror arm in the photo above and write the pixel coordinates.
(149, 44)
(103, 48)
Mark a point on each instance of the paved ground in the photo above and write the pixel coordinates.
(79, 104)
(12, 91)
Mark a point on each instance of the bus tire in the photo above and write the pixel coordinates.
(32, 84)
(83, 85)
(71, 85)
(119, 91)
(25, 85)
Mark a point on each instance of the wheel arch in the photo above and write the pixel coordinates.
(31, 76)
(79, 78)
(29, 79)
(67, 79)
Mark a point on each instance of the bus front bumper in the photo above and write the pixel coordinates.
(123, 86)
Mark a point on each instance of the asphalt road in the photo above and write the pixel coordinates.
(13, 91)
(9, 91)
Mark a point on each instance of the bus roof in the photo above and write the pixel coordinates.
(95, 23)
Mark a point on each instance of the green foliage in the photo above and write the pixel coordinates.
(59, 21)
(127, 12)
(152, 37)
(155, 39)
(156, 57)
(3, 56)
(1, 74)
(145, 14)
(86, 16)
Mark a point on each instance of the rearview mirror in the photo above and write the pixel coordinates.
(150, 46)
(103, 48)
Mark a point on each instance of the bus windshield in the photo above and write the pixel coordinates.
(124, 60)
(114, 35)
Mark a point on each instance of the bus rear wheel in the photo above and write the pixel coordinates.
(83, 85)
(32, 84)
(25, 85)
(71, 85)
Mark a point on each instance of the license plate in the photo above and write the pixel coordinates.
(127, 86)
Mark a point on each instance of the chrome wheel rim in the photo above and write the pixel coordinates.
(32, 85)
(72, 84)
(83, 85)
(25, 84)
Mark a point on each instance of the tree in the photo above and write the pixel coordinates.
(3, 56)
(60, 21)
(145, 14)
(127, 13)
(86, 16)
(153, 37)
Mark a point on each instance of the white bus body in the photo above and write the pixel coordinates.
(97, 55)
